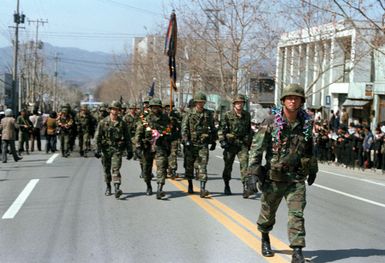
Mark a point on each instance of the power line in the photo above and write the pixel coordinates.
(131, 7)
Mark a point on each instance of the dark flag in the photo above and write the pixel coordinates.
(170, 48)
(151, 90)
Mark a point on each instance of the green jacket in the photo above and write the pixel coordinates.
(199, 127)
(288, 148)
(235, 129)
(113, 135)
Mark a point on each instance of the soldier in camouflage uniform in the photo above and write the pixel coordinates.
(152, 140)
(102, 112)
(65, 124)
(112, 140)
(85, 125)
(235, 138)
(198, 131)
(176, 121)
(132, 118)
(289, 154)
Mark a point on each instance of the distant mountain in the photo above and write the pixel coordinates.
(74, 65)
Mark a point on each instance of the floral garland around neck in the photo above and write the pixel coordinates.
(280, 122)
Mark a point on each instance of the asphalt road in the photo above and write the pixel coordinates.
(53, 209)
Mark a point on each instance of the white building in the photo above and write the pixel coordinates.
(337, 66)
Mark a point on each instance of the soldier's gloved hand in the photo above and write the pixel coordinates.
(138, 152)
(98, 153)
(251, 182)
(224, 144)
(311, 179)
(129, 155)
(213, 145)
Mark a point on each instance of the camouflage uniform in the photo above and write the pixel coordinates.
(112, 140)
(65, 123)
(152, 140)
(24, 131)
(85, 125)
(176, 121)
(289, 154)
(198, 131)
(235, 136)
(132, 119)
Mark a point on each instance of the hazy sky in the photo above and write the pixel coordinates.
(94, 25)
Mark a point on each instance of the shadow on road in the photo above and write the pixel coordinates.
(321, 256)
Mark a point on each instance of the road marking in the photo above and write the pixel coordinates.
(18, 203)
(52, 158)
(351, 196)
(221, 157)
(353, 178)
(235, 223)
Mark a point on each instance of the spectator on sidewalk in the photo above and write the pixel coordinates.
(8, 134)
(37, 123)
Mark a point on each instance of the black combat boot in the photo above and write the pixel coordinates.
(149, 188)
(297, 256)
(159, 192)
(203, 192)
(245, 193)
(266, 248)
(190, 187)
(108, 190)
(227, 188)
(118, 192)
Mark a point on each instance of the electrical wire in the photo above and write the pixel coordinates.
(131, 7)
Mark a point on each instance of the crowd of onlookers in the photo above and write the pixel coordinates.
(352, 145)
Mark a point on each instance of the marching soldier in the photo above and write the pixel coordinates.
(152, 140)
(235, 136)
(85, 126)
(112, 140)
(65, 123)
(25, 129)
(176, 121)
(132, 118)
(289, 152)
(198, 131)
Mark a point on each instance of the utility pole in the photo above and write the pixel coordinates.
(36, 46)
(17, 19)
(55, 83)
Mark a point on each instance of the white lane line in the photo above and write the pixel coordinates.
(353, 178)
(18, 203)
(52, 158)
(351, 196)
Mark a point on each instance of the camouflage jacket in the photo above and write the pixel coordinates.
(176, 121)
(113, 135)
(65, 123)
(235, 129)
(132, 122)
(147, 127)
(288, 147)
(85, 123)
(199, 127)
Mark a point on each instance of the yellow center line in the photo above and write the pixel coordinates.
(275, 242)
(228, 221)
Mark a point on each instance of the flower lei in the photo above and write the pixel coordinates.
(280, 122)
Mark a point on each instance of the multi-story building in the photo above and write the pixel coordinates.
(338, 66)
(6, 91)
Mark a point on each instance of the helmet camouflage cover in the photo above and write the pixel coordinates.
(200, 96)
(293, 90)
(155, 102)
(115, 104)
(239, 98)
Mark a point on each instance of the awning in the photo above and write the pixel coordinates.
(355, 103)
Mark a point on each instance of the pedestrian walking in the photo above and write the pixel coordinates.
(8, 134)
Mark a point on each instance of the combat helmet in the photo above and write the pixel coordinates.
(115, 104)
(147, 99)
(239, 98)
(155, 102)
(124, 105)
(133, 105)
(293, 89)
(200, 96)
(166, 103)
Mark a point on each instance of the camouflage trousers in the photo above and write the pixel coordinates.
(172, 158)
(112, 161)
(161, 159)
(200, 155)
(65, 143)
(229, 155)
(84, 141)
(295, 195)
